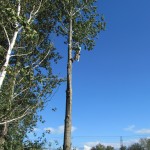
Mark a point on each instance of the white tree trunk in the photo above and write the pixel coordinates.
(6, 64)
(10, 48)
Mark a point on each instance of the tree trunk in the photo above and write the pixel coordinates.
(3, 133)
(2, 141)
(11, 43)
(5, 66)
(68, 115)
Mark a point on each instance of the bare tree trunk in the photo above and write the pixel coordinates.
(2, 141)
(68, 115)
(3, 133)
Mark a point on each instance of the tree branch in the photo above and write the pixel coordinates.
(21, 54)
(6, 35)
(20, 92)
(15, 119)
(42, 60)
(79, 10)
(32, 13)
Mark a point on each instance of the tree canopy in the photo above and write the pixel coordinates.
(27, 55)
(26, 75)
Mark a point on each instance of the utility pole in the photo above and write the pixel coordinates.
(121, 142)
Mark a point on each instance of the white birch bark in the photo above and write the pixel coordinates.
(10, 48)
(11, 43)
(6, 64)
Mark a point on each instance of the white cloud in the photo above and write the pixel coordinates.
(130, 128)
(73, 129)
(139, 131)
(87, 147)
(91, 144)
(130, 141)
(143, 131)
(116, 145)
(58, 130)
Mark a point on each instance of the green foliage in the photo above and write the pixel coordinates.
(102, 147)
(123, 148)
(109, 148)
(30, 80)
(87, 23)
(135, 146)
(145, 143)
(141, 145)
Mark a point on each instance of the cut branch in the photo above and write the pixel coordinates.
(18, 55)
(6, 35)
(32, 13)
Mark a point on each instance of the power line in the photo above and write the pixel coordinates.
(105, 136)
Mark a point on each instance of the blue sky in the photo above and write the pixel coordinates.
(111, 84)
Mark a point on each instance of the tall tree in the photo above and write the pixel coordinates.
(80, 24)
(17, 20)
(26, 54)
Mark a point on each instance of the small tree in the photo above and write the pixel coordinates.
(102, 147)
(123, 148)
(135, 146)
(98, 147)
(109, 148)
(145, 143)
